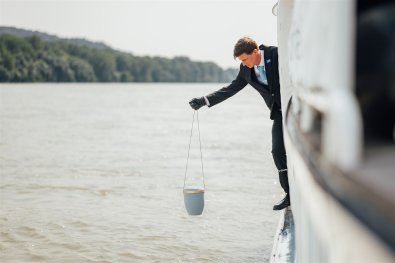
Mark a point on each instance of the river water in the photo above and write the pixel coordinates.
(94, 173)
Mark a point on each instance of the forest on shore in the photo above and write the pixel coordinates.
(34, 59)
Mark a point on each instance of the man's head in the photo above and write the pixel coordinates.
(246, 50)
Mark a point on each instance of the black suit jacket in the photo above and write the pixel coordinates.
(270, 93)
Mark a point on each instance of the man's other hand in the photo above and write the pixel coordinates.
(197, 103)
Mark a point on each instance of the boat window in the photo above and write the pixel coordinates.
(375, 72)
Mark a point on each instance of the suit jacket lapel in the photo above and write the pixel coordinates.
(268, 66)
(252, 80)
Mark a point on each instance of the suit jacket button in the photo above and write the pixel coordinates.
(272, 94)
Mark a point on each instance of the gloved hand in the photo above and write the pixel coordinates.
(197, 103)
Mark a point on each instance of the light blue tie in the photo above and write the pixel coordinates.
(262, 74)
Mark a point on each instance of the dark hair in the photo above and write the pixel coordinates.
(244, 45)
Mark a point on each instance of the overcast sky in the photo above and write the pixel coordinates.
(204, 30)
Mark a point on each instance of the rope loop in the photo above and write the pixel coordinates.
(189, 147)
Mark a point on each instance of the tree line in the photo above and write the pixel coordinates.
(30, 59)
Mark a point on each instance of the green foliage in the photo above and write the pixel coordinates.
(83, 71)
(31, 59)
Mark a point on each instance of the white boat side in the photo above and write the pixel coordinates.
(337, 214)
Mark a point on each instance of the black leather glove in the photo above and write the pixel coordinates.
(197, 103)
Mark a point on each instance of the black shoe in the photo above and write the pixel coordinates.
(283, 203)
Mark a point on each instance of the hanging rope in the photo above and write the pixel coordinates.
(189, 148)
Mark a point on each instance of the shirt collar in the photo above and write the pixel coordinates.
(262, 64)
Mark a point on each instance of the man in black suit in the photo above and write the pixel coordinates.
(259, 68)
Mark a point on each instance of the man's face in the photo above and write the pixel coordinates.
(250, 60)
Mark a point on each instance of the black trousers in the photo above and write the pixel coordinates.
(278, 150)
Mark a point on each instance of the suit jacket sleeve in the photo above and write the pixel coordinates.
(226, 92)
